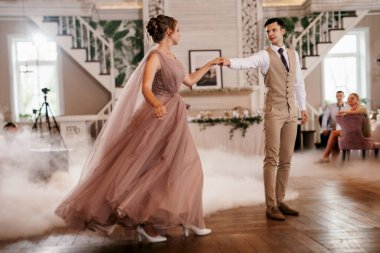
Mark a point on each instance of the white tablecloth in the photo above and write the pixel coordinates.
(218, 137)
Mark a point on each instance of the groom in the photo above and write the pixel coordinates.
(285, 90)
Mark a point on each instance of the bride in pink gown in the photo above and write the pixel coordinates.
(144, 170)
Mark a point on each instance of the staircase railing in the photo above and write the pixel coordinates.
(101, 118)
(318, 31)
(98, 48)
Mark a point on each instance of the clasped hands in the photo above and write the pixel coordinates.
(222, 61)
(160, 111)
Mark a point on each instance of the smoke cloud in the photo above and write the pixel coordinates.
(35, 174)
(233, 180)
(30, 189)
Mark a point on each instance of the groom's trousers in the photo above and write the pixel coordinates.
(280, 130)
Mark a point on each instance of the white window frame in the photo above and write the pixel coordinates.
(15, 79)
(363, 68)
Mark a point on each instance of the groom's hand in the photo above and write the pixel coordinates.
(226, 62)
(303, 117)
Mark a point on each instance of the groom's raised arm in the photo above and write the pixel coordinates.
(256, 60)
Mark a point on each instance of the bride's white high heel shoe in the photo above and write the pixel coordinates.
(196, 230)
(142, 234)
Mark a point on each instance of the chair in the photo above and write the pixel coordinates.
(352, 135)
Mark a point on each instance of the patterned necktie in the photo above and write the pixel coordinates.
(281, 52)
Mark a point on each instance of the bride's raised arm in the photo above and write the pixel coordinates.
(192, 78)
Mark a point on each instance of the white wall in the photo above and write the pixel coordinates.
(211, 24)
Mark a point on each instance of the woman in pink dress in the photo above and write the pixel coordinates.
(353, 101)
(144, 170)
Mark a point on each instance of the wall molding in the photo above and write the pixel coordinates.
(249, 36)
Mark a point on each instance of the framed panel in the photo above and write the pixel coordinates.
(213, 78)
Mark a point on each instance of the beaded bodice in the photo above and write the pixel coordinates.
(158, 86)
(169, 78)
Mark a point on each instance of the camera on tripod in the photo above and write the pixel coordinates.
(45, 108)
(57, 157)
(45, 90)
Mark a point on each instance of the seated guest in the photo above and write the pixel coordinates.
(354, 102)
(10, 127)
(329, 117)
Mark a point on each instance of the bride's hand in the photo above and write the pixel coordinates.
(217, 61)
(160, 111)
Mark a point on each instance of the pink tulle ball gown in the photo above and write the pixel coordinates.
(142, 169)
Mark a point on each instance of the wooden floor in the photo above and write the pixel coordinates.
(336, 216)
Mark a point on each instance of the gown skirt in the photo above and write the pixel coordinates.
(150, 173)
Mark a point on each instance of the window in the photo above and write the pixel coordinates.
(344, 68)
(34, 67)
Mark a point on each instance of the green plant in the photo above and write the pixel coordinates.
(364, 101)
(127, 36)
(234, 123)
(25, 116)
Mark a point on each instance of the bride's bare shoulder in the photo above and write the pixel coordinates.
(153, 57)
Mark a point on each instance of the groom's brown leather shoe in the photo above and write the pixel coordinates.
(287, 210)
(274, 213)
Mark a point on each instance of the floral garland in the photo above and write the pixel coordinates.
(224, 91)
(241, 123)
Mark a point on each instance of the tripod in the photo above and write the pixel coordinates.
(45, 105)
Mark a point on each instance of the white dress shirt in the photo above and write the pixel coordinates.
(330, 113)
(261, 60)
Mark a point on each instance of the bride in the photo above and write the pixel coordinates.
(144, 170)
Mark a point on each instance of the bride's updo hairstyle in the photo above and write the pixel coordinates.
(157, 27)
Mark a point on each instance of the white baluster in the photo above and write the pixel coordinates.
(88, 44)
(81, 42)
(313, 36)
(325, 27)
(68, 25)
(64, 19)
(60, 25)
(340, 24)
(96, 56)
(103, 63)
(308, 43)
(300, 52)
(97, 127)
(75, 32)
(112, 71)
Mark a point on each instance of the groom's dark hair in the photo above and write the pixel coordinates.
(273, 20)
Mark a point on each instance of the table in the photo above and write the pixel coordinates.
(218, 137)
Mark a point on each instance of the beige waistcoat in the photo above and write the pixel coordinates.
(280, 83)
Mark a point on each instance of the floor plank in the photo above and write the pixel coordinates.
(337, 215)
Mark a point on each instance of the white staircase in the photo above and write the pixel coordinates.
(91, 50)
(321, 35)
(87, 46)
(314, 43)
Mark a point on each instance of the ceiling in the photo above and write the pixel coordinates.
(132, 9)
(133, 3)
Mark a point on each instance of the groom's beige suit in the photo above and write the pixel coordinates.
(285, 91)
